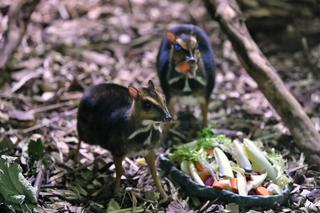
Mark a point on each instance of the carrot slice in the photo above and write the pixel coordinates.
(234, 184)
(209, 152)
(262, 191)
(204, 175)
(199, 166)
(219, 185)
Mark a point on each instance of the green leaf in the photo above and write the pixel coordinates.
(35, 149)
(184, 153)
(16, 191)
(6, 145)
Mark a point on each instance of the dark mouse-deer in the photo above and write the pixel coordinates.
(125, 121)
(186, 69)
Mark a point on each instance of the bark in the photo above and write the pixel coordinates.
(228, 14)
(18, 18)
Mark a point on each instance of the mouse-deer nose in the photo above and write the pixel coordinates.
(191, 60)
(167, 117)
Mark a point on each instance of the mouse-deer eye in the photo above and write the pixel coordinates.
(177, 47)
(146, 105)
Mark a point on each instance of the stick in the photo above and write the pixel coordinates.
(39, 178)
(228, 14)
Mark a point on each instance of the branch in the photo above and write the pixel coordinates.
(18, 18)
(228, 14)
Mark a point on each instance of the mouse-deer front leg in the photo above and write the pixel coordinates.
(119, 172)
(151, 161)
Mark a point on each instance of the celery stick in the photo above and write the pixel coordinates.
(258, 160)
(274, 188)
(242, 184)
(203, 161)
(194, 174)
(185, 167)
(241, 158)
(256, 180)
(223, 162)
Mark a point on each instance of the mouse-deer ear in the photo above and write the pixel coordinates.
(134, 92)
(151, 85)
(171, 37)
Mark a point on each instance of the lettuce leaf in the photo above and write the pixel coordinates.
(15, 190)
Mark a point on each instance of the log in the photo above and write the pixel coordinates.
(303, 131)
(18, 18)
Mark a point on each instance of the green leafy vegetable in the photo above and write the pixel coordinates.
(35, 149)
(279, 164)
(16, 191)
(208, 140)
(184, 153)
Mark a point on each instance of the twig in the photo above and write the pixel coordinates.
(134, 166)
(24, 80)
(52, 107)
(39, 178)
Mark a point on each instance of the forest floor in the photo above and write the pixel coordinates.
(72, 44)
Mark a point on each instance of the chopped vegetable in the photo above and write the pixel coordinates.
(223, 162)
(239, 155)
(220, 185)
(259, 160)
(279, 164)
(234, 184)
(199, 166)
(204, 175)
(194, 174)
(262, 191)
(274, 188)
(209, 181)
(184, 166)
(196, 159)
(184, 153)
(242, 184)
(257, 180)
(203, 161)
(208, 140)
(209, 152)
